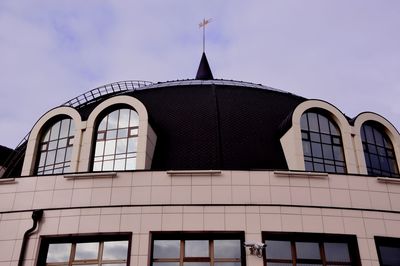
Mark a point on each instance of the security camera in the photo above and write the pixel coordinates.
(255, 248)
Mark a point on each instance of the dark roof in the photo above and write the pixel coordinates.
(215, 124)
(211, 124)
(204, 70)
(5, 153)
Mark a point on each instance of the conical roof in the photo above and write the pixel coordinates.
(204, 71)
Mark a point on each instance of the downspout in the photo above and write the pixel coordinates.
(36, 217)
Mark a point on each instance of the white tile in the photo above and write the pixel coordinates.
(100, 196)
(121, 195)
(333, 224)
(109, 223)
(150, 222)
(161, 195)
(172, 221)
(130, 222)
(89, 224)
(140, 195)
(240, 194)
(312, 223)
(292, 222)
(42, 199)
(81, 197)
(214, 221)
(221, 194)
(181, 194)
(240, 178)
(353, 225)
(201, 194)
(235, 221)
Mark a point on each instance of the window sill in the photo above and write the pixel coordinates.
(300, 174)
(193, 172)
(7, 181)
(388, 180)
(91, 175)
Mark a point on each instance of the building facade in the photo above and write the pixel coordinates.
(202, 172)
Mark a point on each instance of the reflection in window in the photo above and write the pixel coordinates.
(87, 253)
(310, 249)
(322, 144)
(55, 148)
(197, 250)
(378, 151)
(388, 250)
(116, 141)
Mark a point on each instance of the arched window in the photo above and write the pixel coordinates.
(378, 151)
(55, 148)
(116, 141)
(322, 144)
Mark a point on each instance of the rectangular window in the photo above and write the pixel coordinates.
(310, 249)
(92, 249)
(388, 249)
(197, 249)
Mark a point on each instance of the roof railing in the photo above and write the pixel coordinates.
(112, 88)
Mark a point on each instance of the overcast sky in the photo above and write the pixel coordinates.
(342, 51)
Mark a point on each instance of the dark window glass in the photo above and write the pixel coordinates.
(116, 142)
(85, 250)
(388, 250)
(310, 249)
(197, 249)
(378, 151)
(322, 144)
(55, 148)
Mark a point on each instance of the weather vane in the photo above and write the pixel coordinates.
(203, 25)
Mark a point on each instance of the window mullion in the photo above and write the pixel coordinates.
(211, 252)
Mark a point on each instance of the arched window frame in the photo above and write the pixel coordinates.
(105, 132)
(146, 136)
(39, 128)
(291, 141)
(326, 140)
(388, 129)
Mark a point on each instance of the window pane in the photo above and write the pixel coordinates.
(64, 132)
(313, 122)
(307, 250)
(196, 248)
(55, 130)
(323, 124)
(123, 118)
(337, 252)
(115, 250)
(165, 264)
(227, 248)
(166, 249)
(86, 251)
(110, 147)
(390, 255)
(278, 249)
(134, 119)
(303, 122)
(112, 120)
(58, 252)
(196, 264)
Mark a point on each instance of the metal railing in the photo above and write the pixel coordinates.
(98, 93)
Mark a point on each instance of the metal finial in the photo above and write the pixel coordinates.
(203, 25)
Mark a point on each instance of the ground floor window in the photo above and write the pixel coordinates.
(388, 250)
(104, 249)
(310, 249)
(197, 249)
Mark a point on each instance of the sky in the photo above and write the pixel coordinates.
(346, 52)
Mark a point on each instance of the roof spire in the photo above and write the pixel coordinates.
(204, 71)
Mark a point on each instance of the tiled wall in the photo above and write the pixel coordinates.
(247, 201)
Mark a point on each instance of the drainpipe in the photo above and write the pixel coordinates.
(36, 217)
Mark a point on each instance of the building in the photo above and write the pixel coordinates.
(201, 172)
